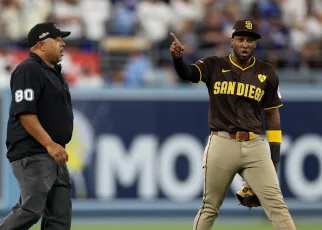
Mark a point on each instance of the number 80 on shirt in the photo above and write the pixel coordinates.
(27, 95)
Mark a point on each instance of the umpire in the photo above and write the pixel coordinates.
(40, 125)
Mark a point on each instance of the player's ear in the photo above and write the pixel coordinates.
(231, 42)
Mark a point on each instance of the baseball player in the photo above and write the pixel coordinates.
(239, 87)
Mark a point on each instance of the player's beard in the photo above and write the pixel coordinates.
(243, 58)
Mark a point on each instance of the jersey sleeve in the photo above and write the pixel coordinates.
(25, 91)
(272, 98)
(205, 67)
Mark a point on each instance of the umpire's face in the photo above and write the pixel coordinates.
(243, 46)
(54, 49)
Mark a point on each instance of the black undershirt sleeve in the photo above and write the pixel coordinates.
(185, 71)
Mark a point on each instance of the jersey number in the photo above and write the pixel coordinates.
(27, 94)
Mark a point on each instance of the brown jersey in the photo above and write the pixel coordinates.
(237, 95)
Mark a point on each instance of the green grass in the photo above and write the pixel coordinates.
(182, 227)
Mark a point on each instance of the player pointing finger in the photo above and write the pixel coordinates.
(176, 47)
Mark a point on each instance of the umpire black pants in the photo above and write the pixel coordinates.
(45, 190)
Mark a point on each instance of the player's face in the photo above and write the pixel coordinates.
(243, 46)
(54, 48)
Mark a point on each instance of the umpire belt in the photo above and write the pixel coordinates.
(239, 136)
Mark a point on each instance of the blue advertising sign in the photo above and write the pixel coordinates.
(153, 149)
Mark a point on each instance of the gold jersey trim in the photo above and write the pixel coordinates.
(243, 69)
(199, 73)
(274, 107)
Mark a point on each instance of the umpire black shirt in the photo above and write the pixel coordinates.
(38, 89)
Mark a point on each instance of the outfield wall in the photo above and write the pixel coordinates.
(139, 152)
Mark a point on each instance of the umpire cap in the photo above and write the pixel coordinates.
(246, 27)
(44, 30)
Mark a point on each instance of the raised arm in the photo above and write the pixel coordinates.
(184, 70)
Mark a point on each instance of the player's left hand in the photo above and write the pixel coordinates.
(247, 197)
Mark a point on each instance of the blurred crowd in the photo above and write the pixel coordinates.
(131, 37)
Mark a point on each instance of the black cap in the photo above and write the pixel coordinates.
(44, 30)
(246, 27)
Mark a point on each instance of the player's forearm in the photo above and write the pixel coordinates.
(274, 134)
(185, 71)
(276, 166)
(32, 125)
(275, 154)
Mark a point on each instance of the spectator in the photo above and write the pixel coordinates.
(41, 11)
(155, 18)
(136, 69)
(278, 45)
(88, 79)
(115, 77)
(6, 68)
(10, 17)
(185, 11)
(123, 21)
(213, 31)
(161, 75)
(68, 15)
(94, 17)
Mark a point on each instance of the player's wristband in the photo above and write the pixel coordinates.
(274, 136)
